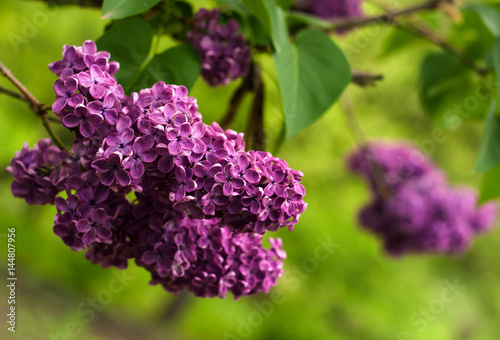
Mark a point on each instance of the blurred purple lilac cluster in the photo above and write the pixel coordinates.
(330, 9)
(201, 202)
(223, 51)
(420, 212)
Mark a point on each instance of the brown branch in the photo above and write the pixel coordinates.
(236, 100)
(258, 138)
(422, 32)
(38, 108)
(386, 18)
(178, 303)
(255, 136)
(365, 79)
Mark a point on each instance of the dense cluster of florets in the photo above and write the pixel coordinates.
(201, 201)
(223, 51)
(39, 173)
(330, 9)
(413, 209)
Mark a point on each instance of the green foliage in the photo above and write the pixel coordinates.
(489, 153)
(119, 9)
(129, 42)
(495, 58)
(443, 79)
(489, 16)
(184, 9)
(473, 35)
(312, 74)
(235, 5)
(271, 18)
(177, 65)
(285, 4)
(258, 33)
(490, 185)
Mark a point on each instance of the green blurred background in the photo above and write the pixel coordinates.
(354, 291)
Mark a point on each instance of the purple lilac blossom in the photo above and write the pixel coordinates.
(201, 201)
(40, 173)
(422, 213)
(184, 253)
(223, 51)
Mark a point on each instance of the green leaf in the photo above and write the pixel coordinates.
(472, 35)
(495, 58)
(489, 152)
(312, 74)
(129, 42)
(490, 17)
(272, 19)
(118, 9)
(179, 65)
(490, 185)
(448, 89)
(258, 33)
(285, 4)
(439, 73)
(235, 5)
(184, 9)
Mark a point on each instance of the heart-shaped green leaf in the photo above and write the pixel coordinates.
(489, 153)
(129, 42)
(271, 18)
(179, 65)
(312, 73)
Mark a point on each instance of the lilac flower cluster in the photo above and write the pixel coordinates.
(330, 9)
(224, 53)
(420, 213)
(198, 256)
(201, 201)
(40, 173)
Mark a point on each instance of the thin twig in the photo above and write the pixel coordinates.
(364, 79)
(422, 32)
(386, 18)
(12, 94)
(38, 108)
(81, 3)
(54, 119)
(377, 178)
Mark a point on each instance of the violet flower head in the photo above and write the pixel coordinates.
(198, 256)
(66, 95)
(422, 213)
(395, 163)
(224, 53)
(201, 201)
(86, 121)
(40, 173)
